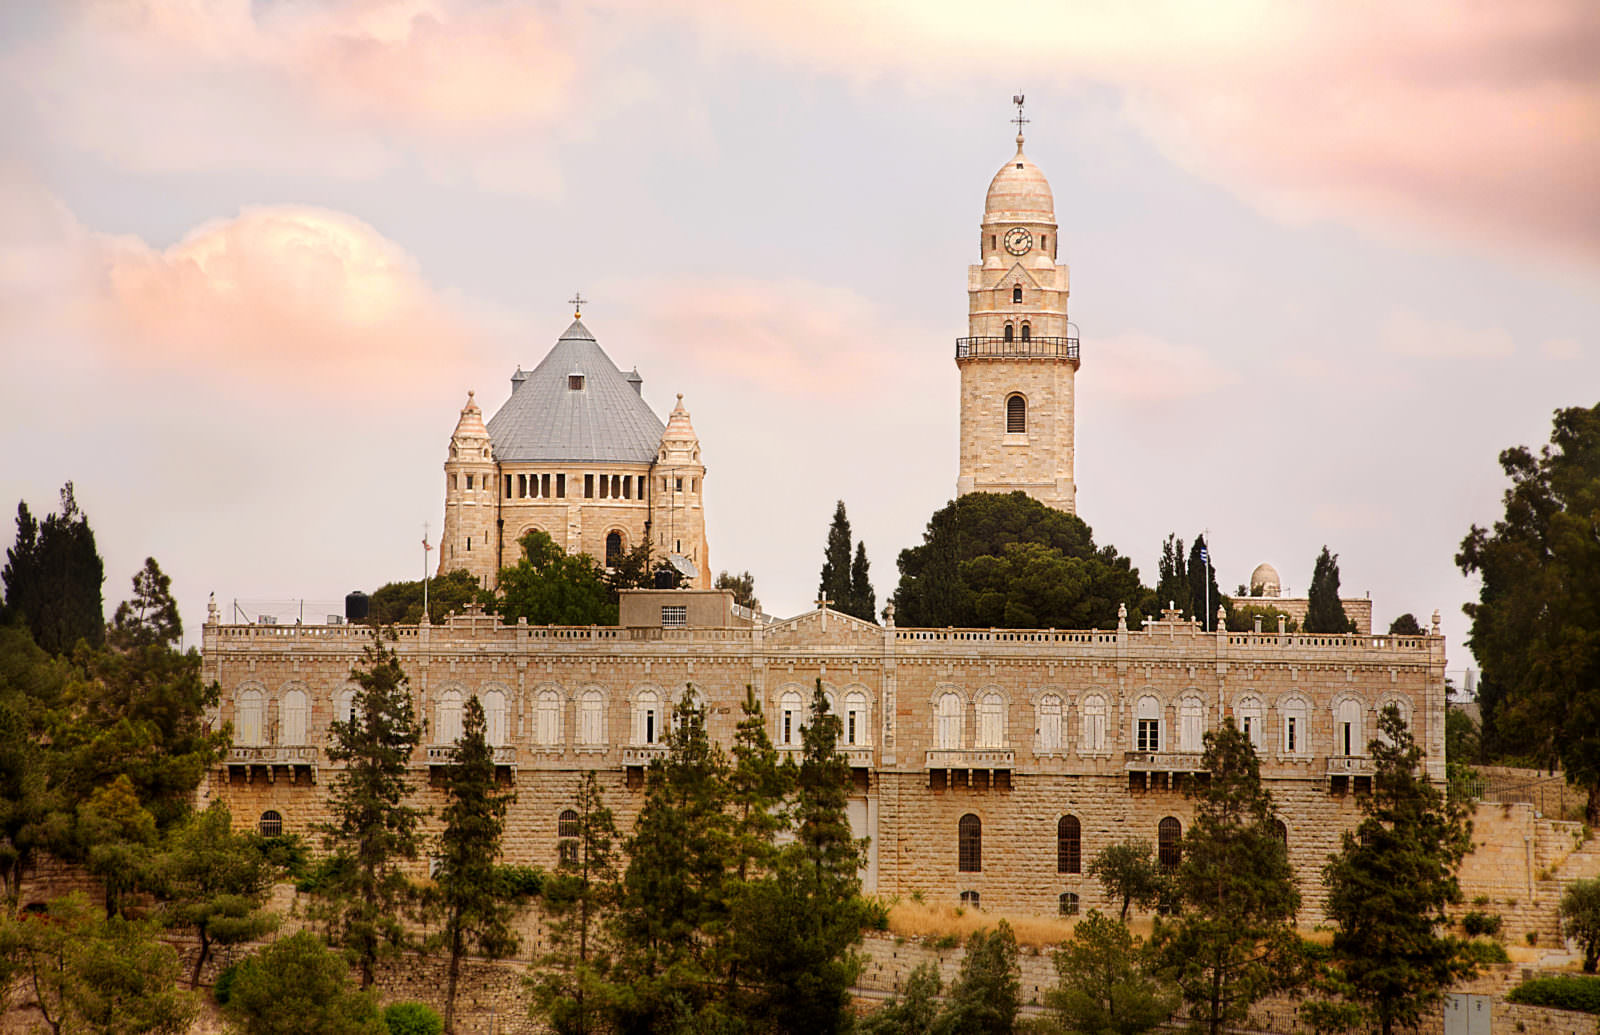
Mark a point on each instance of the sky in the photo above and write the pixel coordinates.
(1328, 259)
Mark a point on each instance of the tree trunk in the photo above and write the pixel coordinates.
(201, 957)
(1591, 809)
(450, 982)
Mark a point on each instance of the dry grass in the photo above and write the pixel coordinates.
(908, 919)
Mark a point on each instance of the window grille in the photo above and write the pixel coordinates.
(969, 844)
(970, 900)
(1069, 903)
(271, 824)
(674, 616)
(1168, 836)
(567, 823)
(1069, 845)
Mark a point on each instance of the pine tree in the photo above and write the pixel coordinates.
(1389, 886)
(863, 601)
(987, 994)
(835, 581)
(1173, 588)
(1104, 987)
(743, 586)
(150, 618)
(674, 899)
(1234, 941)
(373, 831)
(53, 576)
(1324, 612)
(477, 911)
(215, 882)
(571, 988)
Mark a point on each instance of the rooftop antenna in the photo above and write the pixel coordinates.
(577, 301)
(1017, 99)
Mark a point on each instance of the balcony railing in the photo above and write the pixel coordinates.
(643, 754)
(272, 754)
(1350, 765)
(1017, 348)
(1163, 761)
(975, 758)
(443, 754)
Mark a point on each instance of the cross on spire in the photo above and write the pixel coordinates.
(1017, 99)
(823, 601)
(577, 301)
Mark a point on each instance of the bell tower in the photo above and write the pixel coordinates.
(1019, 361)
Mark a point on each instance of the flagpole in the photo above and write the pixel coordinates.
(425, 549)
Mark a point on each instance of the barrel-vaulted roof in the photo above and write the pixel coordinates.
(575, 406)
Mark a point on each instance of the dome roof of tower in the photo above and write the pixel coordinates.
(1019, 193)
(1266, 577)
(575, 406)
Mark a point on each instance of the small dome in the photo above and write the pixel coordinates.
(1264, 581)
(1019, 193)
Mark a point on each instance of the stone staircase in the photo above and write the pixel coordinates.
(1521, 863)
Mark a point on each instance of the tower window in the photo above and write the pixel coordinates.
(1027, 333)
(270, 824)
(1016, 415)
(561, 486)
(1069, 845)
(1016, 293)
(575, 382)
(508, 486)
(544, 483)
(1009, 332)
(469, 481)
(1044, 242)
(613, 549)
(991, 240)
(588, 486)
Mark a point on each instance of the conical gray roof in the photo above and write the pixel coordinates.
(545, 419)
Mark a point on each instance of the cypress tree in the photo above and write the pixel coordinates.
(1234, 941)
(835, 580)
(1173, 588)
(53, 576)
(1324, 612)
(1204, 596)
(373, 829)
(1390, 884)
(477, 911)
(863, 601)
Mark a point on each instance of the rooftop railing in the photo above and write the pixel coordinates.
(1016, 348)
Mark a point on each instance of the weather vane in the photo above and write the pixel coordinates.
(577, 301)
(1017, 99)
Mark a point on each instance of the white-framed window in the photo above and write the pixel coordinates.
(1347, 728)
(547, 718)
(674, 616)
(250, 718)
(1248, 713)
(790, 717)
(1295, 733)
(991, 721)
(948, 719)
(647, 717)
(855, 719)
(448, 729)
(292, 718)
(344, 704)
(592, 718)
(1049, 715)
(494, 718)
(1191, 724)
(1147, 725)
(1093, 736)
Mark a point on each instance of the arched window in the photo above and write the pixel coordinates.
(1068, 903)
(1169, 835)
(1010, 332)
(567, 823)
(991, 721)
(948, 732)
(271, 824)
(971, 900)
(344, 705)
(1282, 830)
(1069, 845)
(494, 718)
(567, 834)
(1295, 733)
(1016, 415)
(591, 718)
(855, 719)
(1347, 729)
(292, 719)
(547, 718)
(789, 719)
(249, 718)
(613, 549)
(1049, 723)
(449, 727)
(1248, 712)
(1016, 293)
(969, 844)
(1147, 732)
(647, 718)
(1027, 332)
(1093, 737)
(1191, 724)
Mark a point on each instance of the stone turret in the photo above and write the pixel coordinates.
(471, 537)
(677, 512)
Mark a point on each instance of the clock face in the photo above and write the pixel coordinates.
(1018, 240)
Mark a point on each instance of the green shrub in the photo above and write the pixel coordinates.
(224, 986)
(945, 941)
(1566, 992)
(1484, 951)
(519, 882)
(1476, 923)
(412, 1019)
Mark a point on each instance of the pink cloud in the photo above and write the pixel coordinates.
(280, 294)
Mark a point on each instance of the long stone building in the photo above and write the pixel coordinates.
(990, 765)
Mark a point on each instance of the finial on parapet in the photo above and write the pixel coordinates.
(213, 614)
(1222, 618)
(1436, 622)
(1122, 618)
(888, 615)
(576, 302)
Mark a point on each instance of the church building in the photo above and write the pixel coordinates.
(577, 453)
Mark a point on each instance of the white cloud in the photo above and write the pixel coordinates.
(1411, 334)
